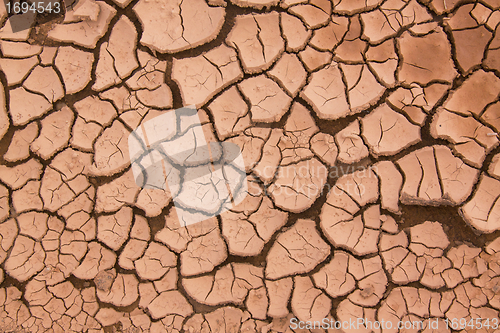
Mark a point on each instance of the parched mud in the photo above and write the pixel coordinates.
(369, 135)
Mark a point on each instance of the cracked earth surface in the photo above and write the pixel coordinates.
(369, 132)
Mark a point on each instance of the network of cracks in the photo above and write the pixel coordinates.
(369, 135)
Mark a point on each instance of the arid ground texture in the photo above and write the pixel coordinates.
(369, 134)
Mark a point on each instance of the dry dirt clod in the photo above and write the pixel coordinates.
(431, 177)
(16, 70)
(54, 134)
(258, 40)
(326, 93)
(435, 65)
(387, 132)
(286, 258)
(25, 106)
(85, 32)
(269, 102)
(481, 210)
(191, 23)
(298, 185)
(351, 146)
(201, 77)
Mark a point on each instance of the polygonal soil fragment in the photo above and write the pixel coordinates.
(54, 134)
(290, 73)
(25, 106)
(33, 224)
(190, 23)
(8, 231)
(383, 61)
(426, 58)
(45, 81)
(153, 201)
(19, 146)
(64, 179)
(494, 169)
(323, 145)
(97, 259)
(416, 101)
(279, 292)
(201, 77)
(86, 32)
(113, 230)
(4, 203)
(363, 88)
(391, 182)
(247, 228)
(92, 115)
(117, 57)
(135, 247)
(294, 32)
(203, 253)
(75, 67)
(12, 49)
(297, 250)
(471, 139)
(470, 39)
(121, 47)
(314, 60)
(482, 211)
(111, 150)
(351, 146)
(433, 176)
(123, 291)
(298, 185)
(326, 93)
(334, 277)
(480, 89)
(428, 234)
(156, 261)
(309, 303)
(27, 197)
(351, 47)
(269, 102)
(257, 39)
(25, 259)
(230, 113)
(294, 144)
(330, 36)
(170, 303)
(492, 116)
(342, 228)
(15, 177)
(372, 281)
(493, 50)
(387, 132)
(16, 70)
(314, 15)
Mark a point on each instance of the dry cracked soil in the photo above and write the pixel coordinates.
(369, 134)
